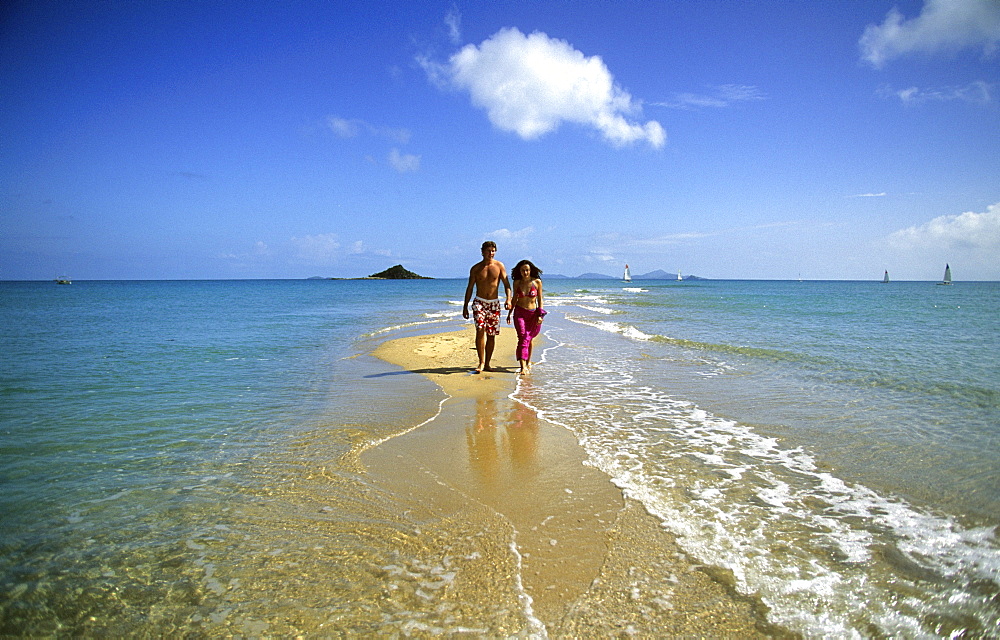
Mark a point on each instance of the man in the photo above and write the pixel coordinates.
(486, 277)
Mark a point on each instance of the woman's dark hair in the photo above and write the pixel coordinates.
(535, 271)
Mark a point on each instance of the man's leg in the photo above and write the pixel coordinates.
(481, 349)
(490, 343)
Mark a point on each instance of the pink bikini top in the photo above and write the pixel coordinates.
(532, 292)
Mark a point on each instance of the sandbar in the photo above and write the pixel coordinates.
(592, 561)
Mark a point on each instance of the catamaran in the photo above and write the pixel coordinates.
(627, 277)
(947, 275)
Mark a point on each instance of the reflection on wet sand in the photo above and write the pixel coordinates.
(481, 438)
(507, 456)
(522, 440)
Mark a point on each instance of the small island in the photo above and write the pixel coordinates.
(392, 273)
(398, 273)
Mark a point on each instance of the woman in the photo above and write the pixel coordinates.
(527, 310)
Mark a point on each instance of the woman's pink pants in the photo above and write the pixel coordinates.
(527, 327)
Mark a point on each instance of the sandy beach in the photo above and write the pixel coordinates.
(591, 562)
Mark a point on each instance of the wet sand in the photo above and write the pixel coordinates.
(592, 561)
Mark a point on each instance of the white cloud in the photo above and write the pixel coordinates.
(350, 128)
(941, 25)
(979, 92)
(675, 238)
(343, 127)
(717, 96)
(970, 242)
(319, 250)
(599, 256)
(403, 162)
(454, 22)
(531, 84)
(616, 242)
(512, 240)
(507, 234)
(257, 252)
(869, 195)
(968, 231)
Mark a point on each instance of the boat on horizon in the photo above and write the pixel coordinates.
(885, 278)
(679, 278)
(63, 280)
(947, 275)
(627, 276)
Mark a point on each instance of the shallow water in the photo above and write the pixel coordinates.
(150, 427)
(832, 444)
(183, 456)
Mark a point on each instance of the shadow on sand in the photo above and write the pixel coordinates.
(443, 371)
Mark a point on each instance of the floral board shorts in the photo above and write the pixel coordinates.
(486, 314)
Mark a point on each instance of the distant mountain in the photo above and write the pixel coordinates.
(659, 274)
(595, 276)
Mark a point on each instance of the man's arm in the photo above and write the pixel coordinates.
(468, 293)
(506, 286)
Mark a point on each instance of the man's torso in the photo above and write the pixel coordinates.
(487, 277)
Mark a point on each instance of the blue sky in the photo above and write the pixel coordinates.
(181, 139)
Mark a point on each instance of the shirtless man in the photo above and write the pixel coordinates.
(486, 277)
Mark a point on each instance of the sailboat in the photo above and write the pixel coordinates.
(679, 278)
(885, 278)
(627, 277)
(947, 275)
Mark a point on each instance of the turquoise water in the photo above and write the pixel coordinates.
(832, 444)
(136, 416)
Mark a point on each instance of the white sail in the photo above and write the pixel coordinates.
(947, 274)
(628, 276)
(679, 278)
(885, 278)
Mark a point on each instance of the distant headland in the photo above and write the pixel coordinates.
(398, 272)
(659, 274)
(392, 273)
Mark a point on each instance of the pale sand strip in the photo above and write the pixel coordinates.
(593, 563)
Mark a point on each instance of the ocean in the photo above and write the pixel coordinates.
(181, 457)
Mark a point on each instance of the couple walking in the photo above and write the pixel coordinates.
(525, 307)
